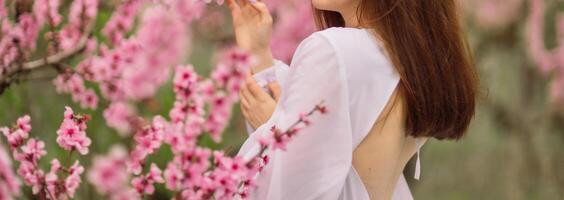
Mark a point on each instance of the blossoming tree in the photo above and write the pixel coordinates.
(517, 46)
(135, 53)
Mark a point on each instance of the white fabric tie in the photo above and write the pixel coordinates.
(418, 162)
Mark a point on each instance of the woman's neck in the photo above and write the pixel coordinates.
(352, 20)
(351, 17)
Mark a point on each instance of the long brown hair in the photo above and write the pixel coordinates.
(424, 40)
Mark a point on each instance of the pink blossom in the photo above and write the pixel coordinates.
(187, 168)
(73, 83)
(173, 176)
(24, 123)
(287, 34)
(15, 138)
(12, 36)
(179, 112)
(108, 173)
(47, 10)
(547, 60)
(68, 37)
(121, 21)
(31, 175)
(89, 99)
(266, 140)
(52, 179)
(217, 120)
(305, 118)
(160, 52)
(29, 28)
(144, 184)
(496, 14)
(32, 151)
(27, 152)
(151, 138)
(81, 12)
(73, 179)
(181, 138)
(119, 115)
(148, 140)
(535, 37)
(69, 83)
(185, 80)
(3, 11)
(28, 169)
(280, 140)
(138, 66)
(136, 161)
(212, 23)
(188, 10)
(72, 133)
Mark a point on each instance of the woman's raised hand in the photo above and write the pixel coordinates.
(252, 24)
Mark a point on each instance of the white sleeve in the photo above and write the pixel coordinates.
(278, 72)
(318, 159)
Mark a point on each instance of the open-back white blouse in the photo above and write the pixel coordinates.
(348, 70)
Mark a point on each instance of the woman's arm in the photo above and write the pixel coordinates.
(252, 24)
(319, 158)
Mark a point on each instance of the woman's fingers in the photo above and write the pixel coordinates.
(275, 88)
(233, 5)
(261, 7)
(258, 6)
(254, 88)
(244, 2)
(244, 102)
(245, 111)
(247, 95)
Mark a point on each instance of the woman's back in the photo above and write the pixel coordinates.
(377, 112)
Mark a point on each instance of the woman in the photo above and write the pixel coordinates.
(392, 74)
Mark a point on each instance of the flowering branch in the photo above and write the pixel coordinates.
(71, 137)
(144, 41)
(9, 72)
(277, 139)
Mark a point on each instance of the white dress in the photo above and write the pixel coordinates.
(348, 70)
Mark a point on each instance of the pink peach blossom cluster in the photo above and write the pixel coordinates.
(71, 135)
(108, 174)
(493, 14)
(189, 120)
(81, 13)
(74, 84)
(190, 173)
(294, 22)
(135, 67)
(548, 61)
(61, 181)
(19, 39)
